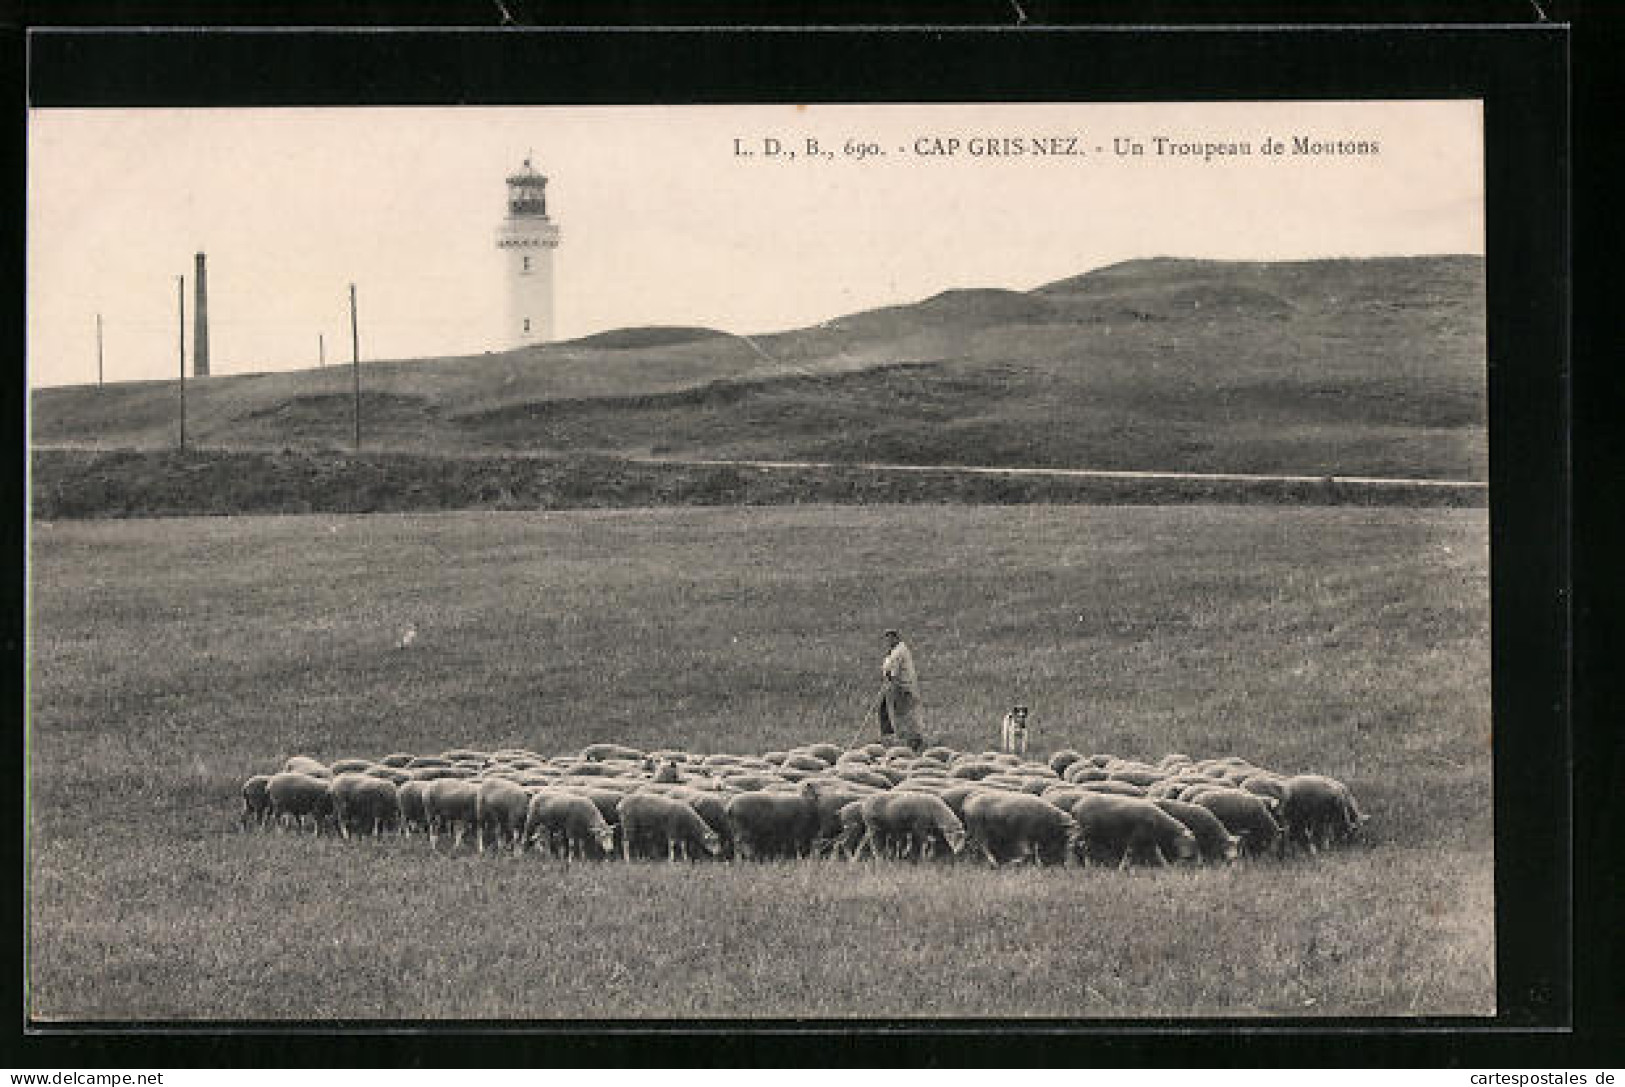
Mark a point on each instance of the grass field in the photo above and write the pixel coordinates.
(172, 658)
(1354, 367)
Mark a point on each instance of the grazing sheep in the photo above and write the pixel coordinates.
(1128, 829)
(398, 761)
(767, 825)
(828, 797)
(364, 803)
(454, 804)
(826, 753)
(606, 800)
(1216, 844)
(713, 808)
(1081, 771)
(422, 762)
(911, 824)
(1318, 811)
(853, 838)
(304, 764)
(592, 770)
(1265, 784)
(1164, 789)
(298, 795)
(1117, 788)
(973, 771)
(652, 824)
(568, 825)
(1062, 759)
(351, 766)
(410, 795)
(750, 782)
(256, 801)
(1015, 826)
(1246, 816)
(500, 807)
(390, 774)
(1136, 775)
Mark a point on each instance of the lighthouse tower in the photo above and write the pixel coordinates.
(527, 238)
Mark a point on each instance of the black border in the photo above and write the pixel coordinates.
(1520, 73)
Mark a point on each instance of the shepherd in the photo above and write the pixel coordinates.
(899, 704)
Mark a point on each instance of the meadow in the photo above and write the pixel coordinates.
(1349, 367)
(171, 658)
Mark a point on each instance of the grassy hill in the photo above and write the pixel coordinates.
(1348, 366)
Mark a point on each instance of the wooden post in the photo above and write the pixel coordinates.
(321, 349)
(98, 351)
(355, 365)
(180, 296)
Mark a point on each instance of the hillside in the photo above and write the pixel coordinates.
(1349, 366)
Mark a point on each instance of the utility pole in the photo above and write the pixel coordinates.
(321, 349)
(180, 297)
(98, 351)
(355, 365)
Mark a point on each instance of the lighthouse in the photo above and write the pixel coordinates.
(527, 238)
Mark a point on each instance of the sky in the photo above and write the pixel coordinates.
(664, 221)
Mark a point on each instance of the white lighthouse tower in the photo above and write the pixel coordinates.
(527, 238)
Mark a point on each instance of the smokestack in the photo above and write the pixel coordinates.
(200, 329)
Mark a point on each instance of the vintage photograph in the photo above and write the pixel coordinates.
(869, 563)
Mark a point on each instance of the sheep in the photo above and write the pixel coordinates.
(410, 796)
(1245, 815)
(1213, 841)
(828, 797)
(1129, 828)
(603, 751)
(568, 824)
(362, 803)
(304, 764)
(500, 806)
(351, 766)
(1136, 775)
(256, 801)
(299, 795)
(1265, 784)
(854, 834)
(1062, 759)
(390, 774)
(828, 752)
(713, 808)
(973, 771)
(911, 824)
(1118, 788)
(451, 803)
(650, 822)
(772, 824)
(796, 760)
(398, 761)
(872, 778)
(1318, 811)
(1081, 771)
(1016, 826)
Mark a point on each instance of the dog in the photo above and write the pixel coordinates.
(1013, 731)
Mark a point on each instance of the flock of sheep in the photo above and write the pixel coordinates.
(817, 800)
